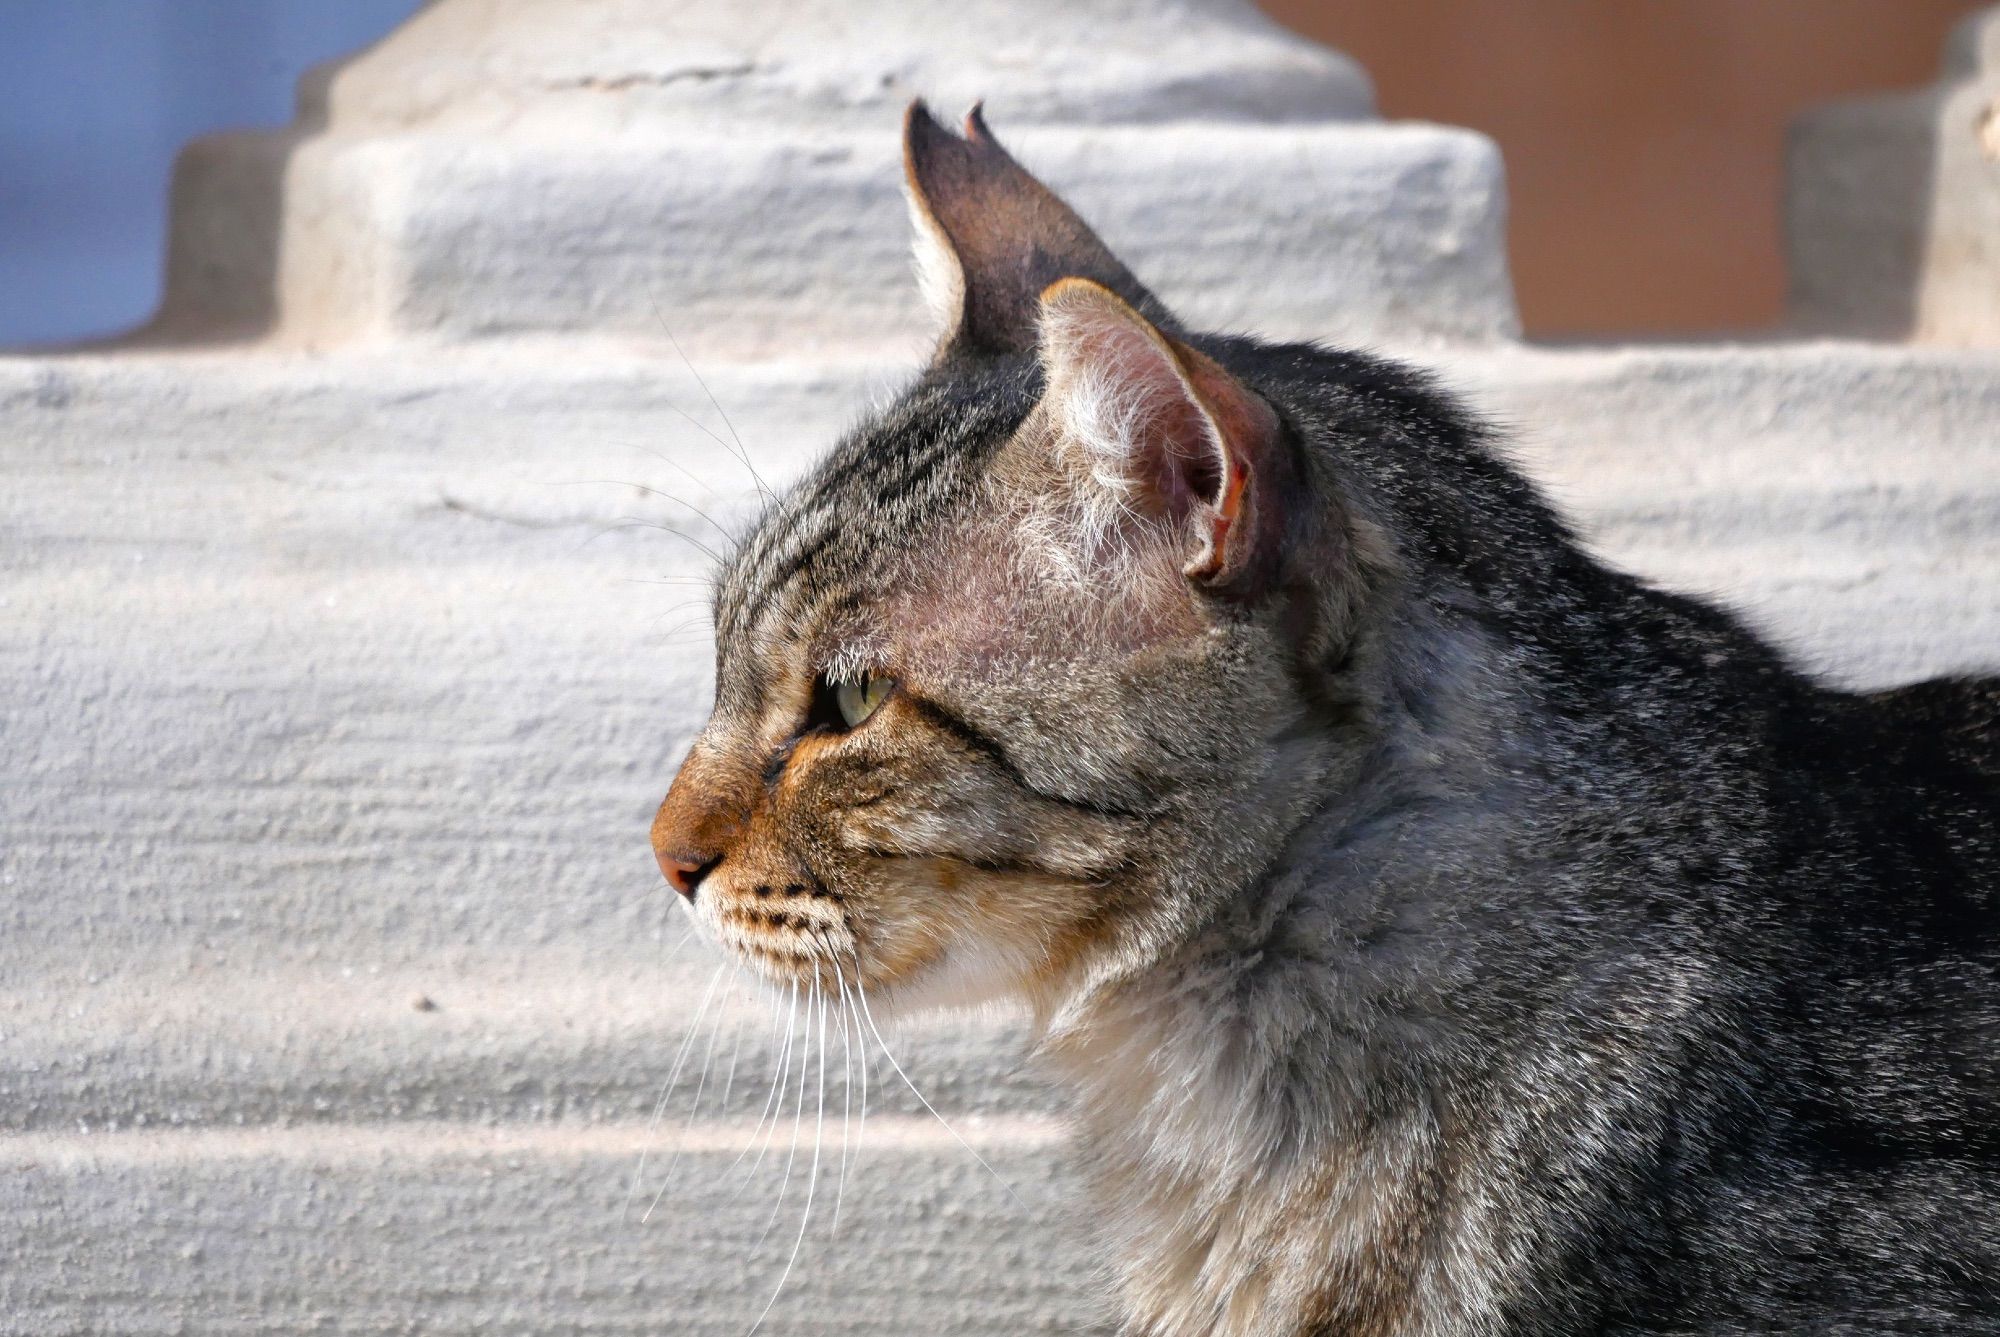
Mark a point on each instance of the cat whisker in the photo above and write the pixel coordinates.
(715, 524)
(741, 453)
(847, 1097)
(669, 461)
(633, 483)
(812, 1177)
(636, 522)
(784, 1085)
(861, 991)
(710, 433)
(862, 1062)
(650, 491)
(694, 1112)
(653, 890)
(699, 426)
(798, 1122)
(679, 629)
(683, 607)
(777, 1095)
(729, 1082)
(632, 522)
(666, 1090)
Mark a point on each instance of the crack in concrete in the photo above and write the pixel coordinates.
(447, 502)
(692, 74)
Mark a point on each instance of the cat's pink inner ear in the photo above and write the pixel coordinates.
(1166, 424)
(1243, 521)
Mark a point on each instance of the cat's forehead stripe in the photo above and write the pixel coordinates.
(810, 518)
(862, 506)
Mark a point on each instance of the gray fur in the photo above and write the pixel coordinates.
(1447, 935)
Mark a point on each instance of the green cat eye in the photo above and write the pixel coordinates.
(858, 700)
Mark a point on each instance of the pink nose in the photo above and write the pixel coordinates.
(684, 871)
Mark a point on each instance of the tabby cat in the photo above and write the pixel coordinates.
(1434, 930)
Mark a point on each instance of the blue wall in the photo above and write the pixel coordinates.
(95, 98)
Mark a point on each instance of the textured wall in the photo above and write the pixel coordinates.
(334, 685)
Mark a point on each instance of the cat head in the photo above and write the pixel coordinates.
(1029, 674)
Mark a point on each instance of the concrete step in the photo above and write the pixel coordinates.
(330, 686)
(763, 245)
(551, 1033)
(543, 1229)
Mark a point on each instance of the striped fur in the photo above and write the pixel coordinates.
(1441, 934)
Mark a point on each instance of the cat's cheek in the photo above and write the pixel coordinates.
(897, 933)
(964, 936)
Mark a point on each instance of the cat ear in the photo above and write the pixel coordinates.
(1166, 425)
(990, 238)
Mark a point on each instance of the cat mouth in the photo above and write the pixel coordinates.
(797, 947)
(792, 944)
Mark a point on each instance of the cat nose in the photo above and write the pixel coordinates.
(701, 818)
(685, 871)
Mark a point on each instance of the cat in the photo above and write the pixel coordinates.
(1433, 930)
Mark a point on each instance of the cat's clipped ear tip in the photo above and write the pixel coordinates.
(920, 124)
(932, 154)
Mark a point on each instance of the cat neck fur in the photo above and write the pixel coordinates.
(1282, 1120)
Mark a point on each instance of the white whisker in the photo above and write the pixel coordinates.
(693, 925)
(665, 459)
(774, 1104)
(812, 1178)
(653, 492)
(864, 1063)
(673, 1076)
(798, 1122)
(687, 1128)
(741, 453)
(847, 1096)
(861, 992)
(729, 1082)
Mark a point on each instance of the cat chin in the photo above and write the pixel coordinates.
(964, 978)
(958, 982)
(957, 978)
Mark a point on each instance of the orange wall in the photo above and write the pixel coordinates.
(1643, 138)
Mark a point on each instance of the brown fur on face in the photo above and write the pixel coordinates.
(882, 853)
(1077, 572)
(1437, 933)
(1052, 563)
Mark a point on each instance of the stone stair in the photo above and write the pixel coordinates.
(339, 677)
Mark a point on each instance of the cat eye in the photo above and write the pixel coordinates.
(856, 701)
(840, 706)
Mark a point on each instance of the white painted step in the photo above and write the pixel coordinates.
(534, 1230)
(329, 684)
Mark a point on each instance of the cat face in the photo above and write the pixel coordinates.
(1004, 687)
